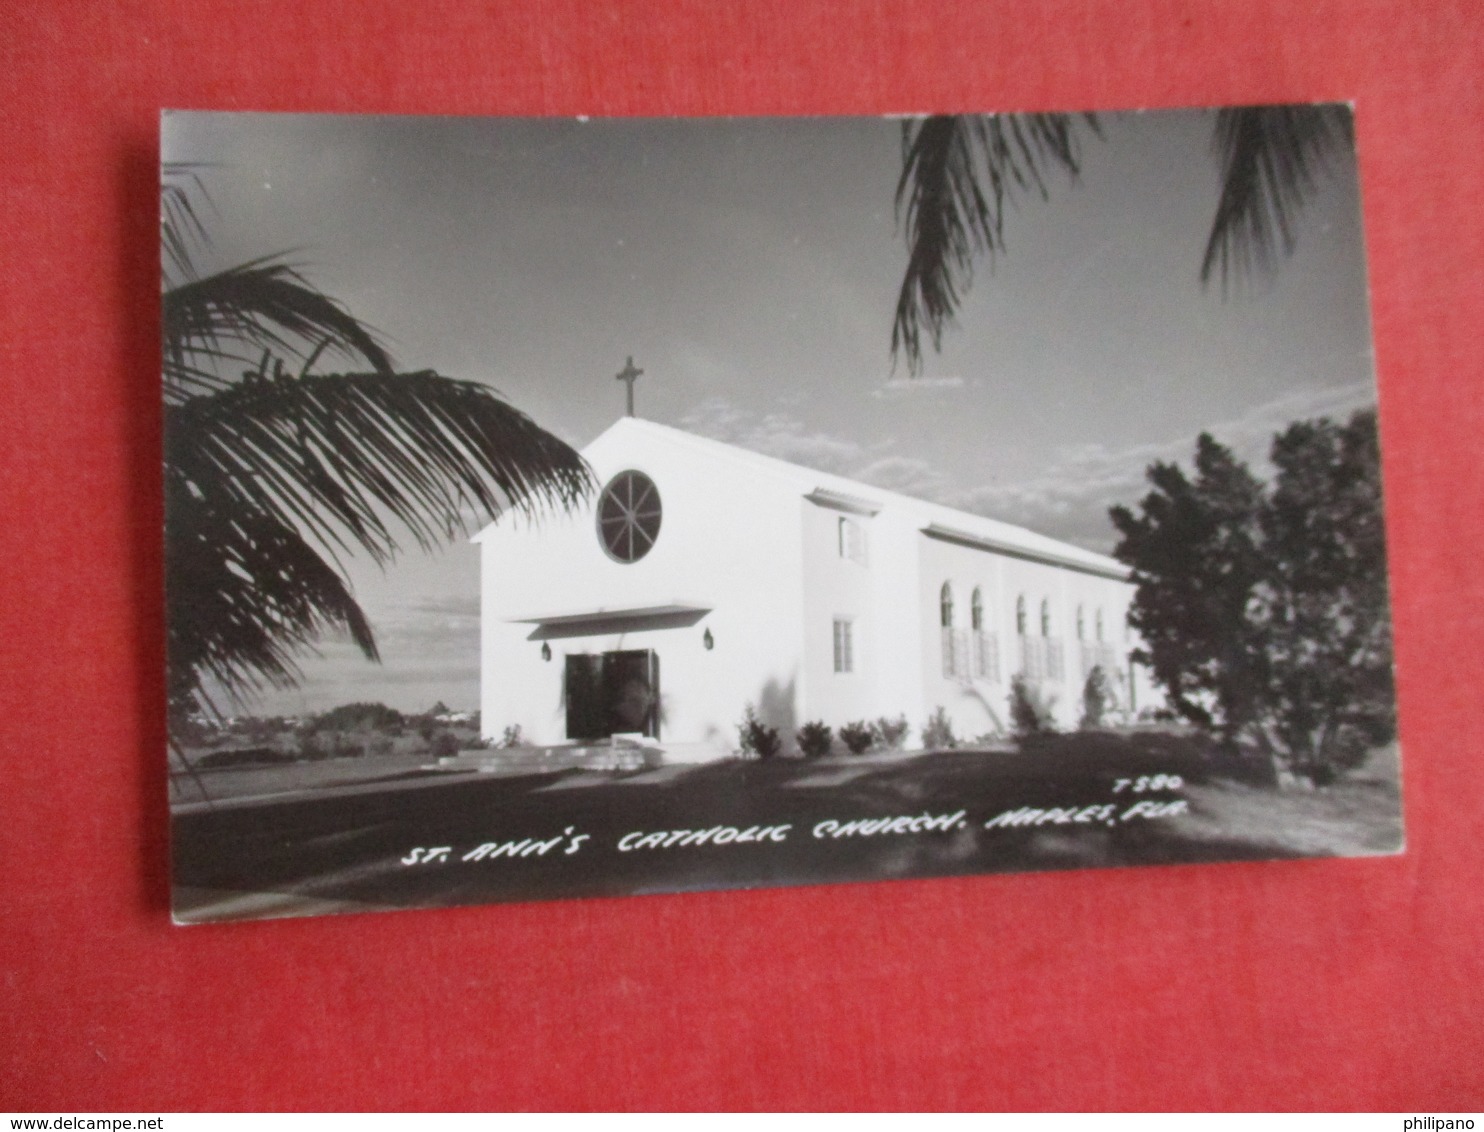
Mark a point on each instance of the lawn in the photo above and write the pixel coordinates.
(1079, 800)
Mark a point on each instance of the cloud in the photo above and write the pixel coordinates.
(774, 434)
(908, 475)
(1251, 434)
(449, 605)
(1070, 499)
(908, 386)
(788, 438)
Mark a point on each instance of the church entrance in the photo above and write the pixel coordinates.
(611, 693)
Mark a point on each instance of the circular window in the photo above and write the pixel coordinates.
(629, 516)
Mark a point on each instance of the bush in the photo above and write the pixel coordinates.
(1097, 698)
(815, 739)
(243, 756)
(756, 738)
(890, 733)
(937, 732)
(352, 717)
(512, 738)
(1030, 711)
(445, 745)
(858, 736)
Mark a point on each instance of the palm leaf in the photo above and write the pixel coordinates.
(234, 316)
(264, 477)
(960, 173)
(246, 593)
(348, 457)
(1271, 160)
(181, 229)
(269, 475)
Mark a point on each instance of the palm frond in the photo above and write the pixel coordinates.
(1271, 160)
(270, 473)
(212, 323)
(960, 174)
(246, 593)
(350, 458)
(268, 479)
(181, 230)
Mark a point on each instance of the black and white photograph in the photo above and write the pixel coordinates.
(563, 508)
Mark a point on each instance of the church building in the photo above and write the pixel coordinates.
(706, 579)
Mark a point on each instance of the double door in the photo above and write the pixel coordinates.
(613, 692)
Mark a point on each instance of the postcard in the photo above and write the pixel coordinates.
(586, 508)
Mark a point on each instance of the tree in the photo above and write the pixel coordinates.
(961, 172)
(1326, 613)
(1197, 560)
(274, 468)
(1264, 612)
(358, 717)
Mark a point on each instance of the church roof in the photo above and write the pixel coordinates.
(934, 519)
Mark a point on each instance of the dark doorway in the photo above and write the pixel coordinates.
(613, 692)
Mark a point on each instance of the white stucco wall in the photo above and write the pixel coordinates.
(729, 542)
(976, 706)
(747, 541)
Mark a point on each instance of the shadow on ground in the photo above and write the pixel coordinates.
(354, 850)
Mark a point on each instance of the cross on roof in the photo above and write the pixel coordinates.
(629, 374)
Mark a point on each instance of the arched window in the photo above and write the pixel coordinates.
(976, 610)
(1045, 617)
(1081, 624)
(1020, 615)
(945, 606)
(1099, 624)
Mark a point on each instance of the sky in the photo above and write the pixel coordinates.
(751, 267)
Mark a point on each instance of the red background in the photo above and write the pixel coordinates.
(1327, 984)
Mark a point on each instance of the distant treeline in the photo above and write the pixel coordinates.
(348, 731)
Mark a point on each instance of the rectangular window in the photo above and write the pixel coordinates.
(844, 645)
(955, 654)
(852, 541)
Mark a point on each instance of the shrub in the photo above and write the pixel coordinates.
(756, 738)
(890, 733)
(512, 738)
(242, 756)
(1097, 697)
(937, 732)
(858, 736)
(445, 745)
(1030, 711)
(352, 717)
(814, 739)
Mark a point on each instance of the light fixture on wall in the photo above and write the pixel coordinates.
(545, 650)
(708, 640)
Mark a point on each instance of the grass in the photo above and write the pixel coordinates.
(309, 853)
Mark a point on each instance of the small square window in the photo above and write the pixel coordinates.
(844, 645)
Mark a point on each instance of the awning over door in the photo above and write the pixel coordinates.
(598, 622)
